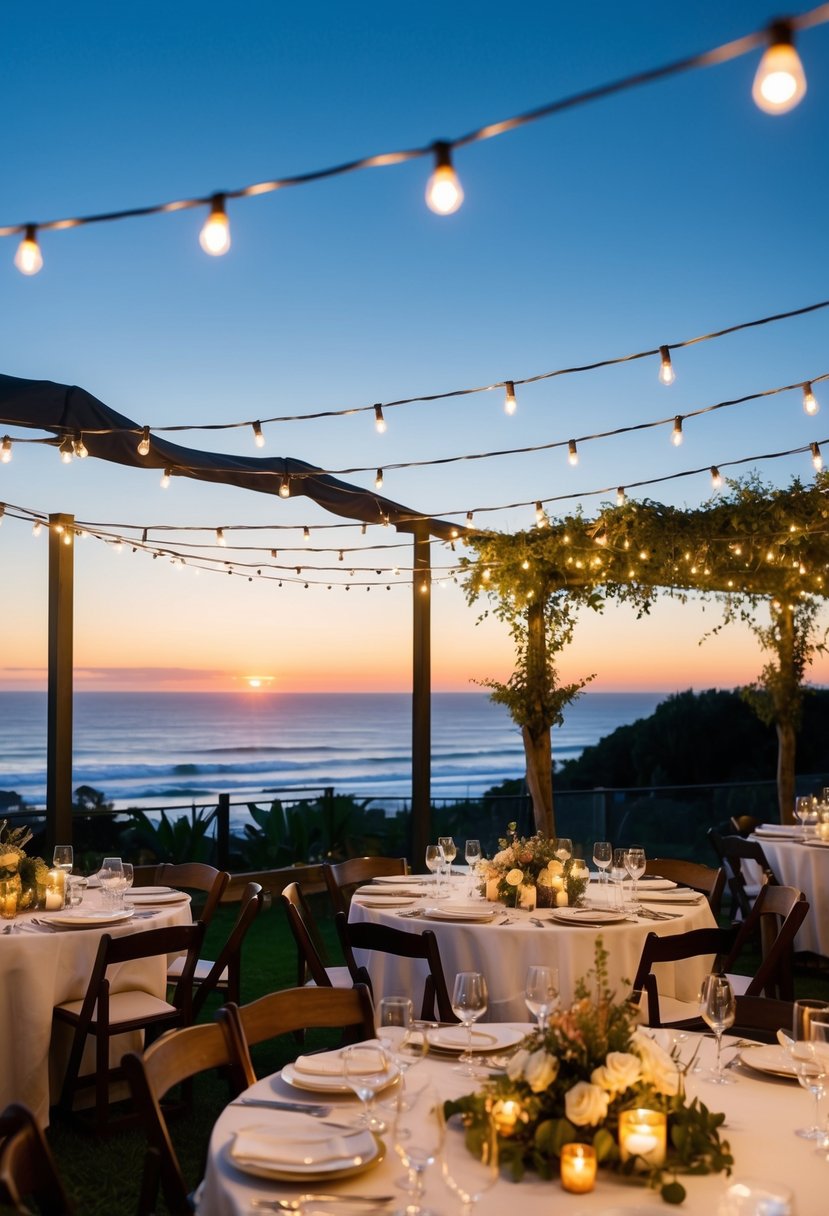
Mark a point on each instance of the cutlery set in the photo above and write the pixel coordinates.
(294, 1205)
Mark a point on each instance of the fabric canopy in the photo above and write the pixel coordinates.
(66, 410)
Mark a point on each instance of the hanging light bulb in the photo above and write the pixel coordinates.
(285, 487)
(443, 190)
(67, 536)
(620, 496)
(5, 450)
(81, 450)
(716, 477)
(306, 533)
(572, 453)
(144, 445)
(165, 478)
(469, 517)
(258, 437)
(28, 259)
(817, 459)
(540, 518)
(340, 556)
(379, 420)
(510, 404)
(36, 528)
(676, 433)
(67, 450)
(780, 82)
(810, 402)
(220, 536)
(214, 237)
(378, 480)
(667, 375)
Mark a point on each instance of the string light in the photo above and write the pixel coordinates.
(67, 536)
(67, 450)
(144, 444)
(37, 527)
(165, 478)
(510, 404)
(379, 420)
(285, 487)
(306, 533)
(469, 517)
(620, 496)
(780, 82)
(810, 402)
(444, 193)
(28, 259)
(258, 437)
(716, 477)
(676, 433)
(378, 480)
(540, 517)
(5, 450)
(572, 453)
(214, 237)
(667, 375)
(220, 536)
(817, 459)
(80, 448)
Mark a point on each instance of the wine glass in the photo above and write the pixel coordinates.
(635, 866)
(112, 876)
(472, 854)
(564, 848)
(366, 1069)
(129, 877)
(541, 993)
(434, 860)
(469, 1167)
(802, 810)
(63, 858)
(718, 1008)
(417, 1144)
(809, 1064)
(450, 852)
(396, 1031)
(618, 874)
(469, 1002)
(602, 857)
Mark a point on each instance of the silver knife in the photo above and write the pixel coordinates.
(305, 1108)
(293, 1205)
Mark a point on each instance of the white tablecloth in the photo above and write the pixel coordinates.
(806, 867)
(761, 1115)
(503, 952)
(40, 970)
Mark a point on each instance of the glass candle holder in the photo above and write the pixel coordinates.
(55, 890)
(505, 1115)
(8, 900)
(578, 1168)
(643, 1136)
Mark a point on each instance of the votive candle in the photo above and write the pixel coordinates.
(643, 1134)
(55, 890)
(578, 1168)
(8, 900)
(505, 1115)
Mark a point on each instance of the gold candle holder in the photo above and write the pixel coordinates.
(8, 899)
(55, 890)
(643, 1135)
(578, 1168)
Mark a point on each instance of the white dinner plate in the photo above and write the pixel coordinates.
(77, 918)
(587, 916)
(153, 891)
(770, 1058)
(472, 913)
(368, 1150)
(652, 882)
(329, 1085)
(171, 897)
(385, 901)
(816, 844)
(403, 878)
(682, 895)
(783, 830)
(491, 1037)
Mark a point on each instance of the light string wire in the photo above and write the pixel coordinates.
(714, 57)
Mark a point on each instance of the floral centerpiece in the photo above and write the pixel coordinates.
(572, 1081)
(530, 870)
(24, 872)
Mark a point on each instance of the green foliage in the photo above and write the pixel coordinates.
(324, 829)
(182, 839)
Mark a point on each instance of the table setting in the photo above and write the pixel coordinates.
(798, 854)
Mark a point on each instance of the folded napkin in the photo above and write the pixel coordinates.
(682, 895)
(330, 1063)
(266, 1146)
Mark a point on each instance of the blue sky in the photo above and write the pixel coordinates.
(648, 218)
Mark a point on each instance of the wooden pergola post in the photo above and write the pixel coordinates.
(59, 696)
(421, 693)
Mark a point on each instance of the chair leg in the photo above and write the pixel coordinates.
(73, 1068)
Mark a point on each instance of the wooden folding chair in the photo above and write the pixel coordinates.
(760, 1018)
(342, 877)
(225, 974)
(312, 966)
(195, 876)
(704, 879)
(175, 1058)
(732, 851)
(103, 1013)
(404, 944)
(347, 1009)
(27, 1167)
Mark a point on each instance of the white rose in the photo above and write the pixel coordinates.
(555, 867)
(658, 1069)
(501, 859)
(515, 1064)
(562, 899)
(540, 1070)
(515, 877)
(585, 1104)
(619, 1072)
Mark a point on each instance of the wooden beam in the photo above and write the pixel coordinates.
(421, 695)
(59, 696)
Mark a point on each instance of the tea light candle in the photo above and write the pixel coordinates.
(8, 901)
(578, 1168)
(492, 889)
(643, 1134)
(55, 890)
(505, 1113)
(526, 897)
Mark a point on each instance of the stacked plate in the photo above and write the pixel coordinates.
(472, 913)
(156, 895)
(294, 1148)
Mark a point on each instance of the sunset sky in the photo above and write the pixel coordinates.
(652, 217)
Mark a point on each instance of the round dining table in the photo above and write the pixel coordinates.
(761, 1112)
(511, 940)
(43, 965)
(804, 865)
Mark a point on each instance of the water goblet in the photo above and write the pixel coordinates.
(469, 1167)
(472, 854)
(367, 1069)
(450, 852)
(396, 1031)
(635, 865)
(602, 857)
(129, 878)
(469, 1002)
(434, 860)
(811, 1066)
(564, 848)
(718, 1008)
(541, 993)
(802, 810)
(112, 876)
(618, 874)
(418, 1145)
(63, 858)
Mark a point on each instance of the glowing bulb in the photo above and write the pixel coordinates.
(424, 587)
(285, 488)
(81, 450)
(716, 477)
(258, 437)
(67, 537)
(666, 369)
(810, 402)
(378, 480)
(340, 556)
(144, 445)
(676, 433)
(214, 237)
(486, 574)
(28, 258)
(443, 190)
(620, 496)
(780, 83)
(379, 420)
(165, 478)
(469, 517)
(306, 533)
(539, 515)
(67, 450)
(572, 453)
(36, 528)
(817, 459)
(510, 404)
(5, 450)
(220, 536)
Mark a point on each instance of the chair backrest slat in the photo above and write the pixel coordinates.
(364, 935)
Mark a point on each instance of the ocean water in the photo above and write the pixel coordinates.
(174, 748)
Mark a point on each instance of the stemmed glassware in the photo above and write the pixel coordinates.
(718, 1008)
(618, 874)
(469, 1002)
(469, 1168)
(635, 865)
(808, 1052)
(472, 855)
(450, 852)
(365, 1071)
(541, 993)
(112, 880)
(602, 857)
(418, 1143)
(803, 809)
(434, 860)
(564, 848)
(129, 878)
